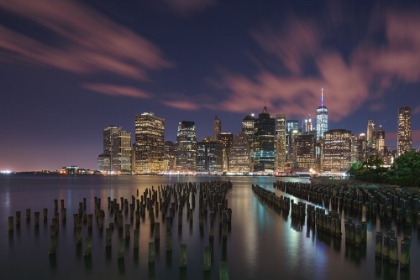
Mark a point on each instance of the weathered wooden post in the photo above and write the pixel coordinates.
(63, 214)
(156, 231)
(88, 246)
(405, 254)
(393, 250)
(127, 231)
(89, 220)
(28, 214)
(108, 237)
(358, 238)
(183, 256)
(152, 252)
(364, 231)
(223, 271)
(224, 224)
(378, 244)
(136, 236)
(36, 216)
(207, 258)
(79, 235)
(211, 230)
(121, 248)
(385, 249)
(75, 220)
(18, 218)
(11, 225)
(55, 205)
(53, 245)
(45, 214)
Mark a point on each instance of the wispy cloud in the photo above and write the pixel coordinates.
(87, 41)
(416, 110)
(187, 7)
(184, 105)
(349, 80)
(117, 90)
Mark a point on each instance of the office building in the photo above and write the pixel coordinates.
(292, 128)
(371, 135)
(321, 118)
(264, 153)
(209, 155)
(280, 142)
(304, 151)
(149, 143)
(380, 140)
(169, 156)
(336, 150)
(121, 152)
(308, 124)
(248, 127)
(404, 140)
(239, 160)
(186, 147)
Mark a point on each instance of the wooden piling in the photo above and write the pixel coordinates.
(10, 223)
(45, 214)
(88, 246)
(393, 250)
(136, 236)
(79, 235)
(108, 237)
(183, 256)
(378, 244)
(36, 218)
(53, 245)
(223, 271)
(405, 254)
(156, 231)
(207, 258)
(152, 252)
(127, 231)
(121, 248)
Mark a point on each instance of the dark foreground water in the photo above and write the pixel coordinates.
(262, 243)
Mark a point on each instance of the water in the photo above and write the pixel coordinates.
(262, 243)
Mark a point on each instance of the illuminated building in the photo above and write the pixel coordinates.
(169, 156)
(336, 150)
(227, 140)
(304, 150)
(209, 155)
(280, 142)
(240, 154)
(308, 124)
(186, 147)
(361, 147)
(292, 128)
(404, 140)
(321, 118)
(149, 143)
(370, 135)
(380, 140)
(354, 149)
(217, 127)
(264, 154)
(121, 152)
(248, 127)
(104, 159)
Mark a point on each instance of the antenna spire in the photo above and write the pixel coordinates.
(322, 97)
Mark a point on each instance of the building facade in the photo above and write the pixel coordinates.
(239, 160)
(264, 153)
(404, 140)
(371, 135)
(336, 150)
(209, 156)
(304, 151)
(186, 147)
(321, 119)
(217, 128)
(121, 152)
(149, 143)
(280, 142)
(169, 156)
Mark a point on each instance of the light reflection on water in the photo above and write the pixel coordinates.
(262, 244)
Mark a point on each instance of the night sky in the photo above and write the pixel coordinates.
(70, 68)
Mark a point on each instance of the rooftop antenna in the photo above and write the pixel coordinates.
(322, 97)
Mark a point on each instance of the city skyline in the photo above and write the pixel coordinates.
(65, 78)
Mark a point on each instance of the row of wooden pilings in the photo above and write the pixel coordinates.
(169, 200)
(386, 245)
(386, 202)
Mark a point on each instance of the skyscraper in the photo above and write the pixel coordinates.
(304, 150)
(217, 127)
(149, 143)
(170, 155)
(308, 124)
(264, 154)
(404, 140)
(186, 144)
(104, 159)
(280, 142)
(121, 152)
(248, 127)
(336, 150)
(380, 140)
(292, 127)
(239, 154)
(209, 155)
(321, 118)
(370, 135)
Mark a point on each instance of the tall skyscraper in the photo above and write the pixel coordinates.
(321, 118)
(370, 135)
(149, 143)
(104, 159)
(227, 139)
(121, 152)
(304, 150)
(217, 127)
(404, 140)
(170, 155)
(292, 128)
(336, 150)
(264, 153)
(240, 154)
(308, 124)
(280, 142)
(186, 144)
(209, 155)
(380, 140)
(248, 127)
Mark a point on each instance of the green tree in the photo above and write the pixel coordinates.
(405, 171)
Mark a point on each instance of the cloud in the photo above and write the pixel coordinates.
(416, 110)
(87, 41)
(117, 90)
(187, 7)
(350, 78)
(184, 105)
